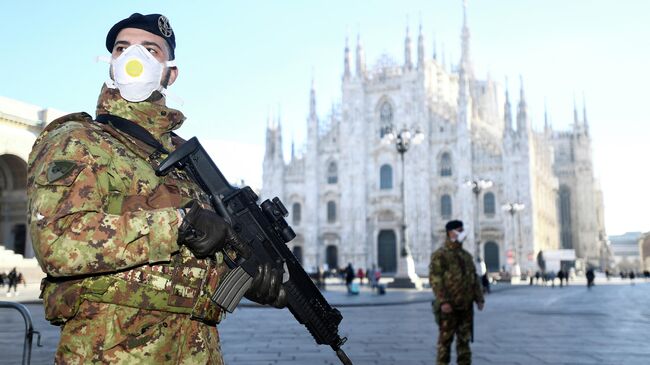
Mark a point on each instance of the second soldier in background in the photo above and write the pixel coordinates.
(456, 287)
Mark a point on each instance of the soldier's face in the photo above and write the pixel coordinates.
(156, 45)
(453, 234)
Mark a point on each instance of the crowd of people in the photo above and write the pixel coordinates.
(12, 279)
(352, 278)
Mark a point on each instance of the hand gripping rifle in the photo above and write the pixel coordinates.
(262, 234)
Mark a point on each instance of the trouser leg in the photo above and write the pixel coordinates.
(463, 337)
(445, 338)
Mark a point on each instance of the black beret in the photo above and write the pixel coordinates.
(153, 23)
(451, 225)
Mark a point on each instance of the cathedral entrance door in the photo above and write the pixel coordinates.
(491, 255)
(332, 257)
(297, 251)
(387, 251)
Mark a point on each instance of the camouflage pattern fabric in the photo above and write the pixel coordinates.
(111, 334)
(104, 230)
(453, 278)
(458, 323)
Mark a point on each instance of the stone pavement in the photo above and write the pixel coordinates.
(525, 325)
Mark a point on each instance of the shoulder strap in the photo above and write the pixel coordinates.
(132, 129)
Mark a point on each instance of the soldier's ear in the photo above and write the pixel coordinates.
(173, 74)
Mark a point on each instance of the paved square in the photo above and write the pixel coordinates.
(520, 325)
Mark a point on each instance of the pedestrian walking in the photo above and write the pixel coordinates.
(537, 275)
(349, 277)
(590, 278)
(370, 274)
(566, 278)
(560, 275)
(632, 276)
(456, 288)
(360, 275)
(12, 279)
(381, 288)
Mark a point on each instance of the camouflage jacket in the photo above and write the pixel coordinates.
(453, 278)
(101, 219)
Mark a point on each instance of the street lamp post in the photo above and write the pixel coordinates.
(477, 186)
(406, 276)
(513, 208)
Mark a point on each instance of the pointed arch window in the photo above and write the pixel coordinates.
(331, 212)
(296, 213)
(445, 206)
(489, 204)
(385, 177)
(332, 173)
(445, 164)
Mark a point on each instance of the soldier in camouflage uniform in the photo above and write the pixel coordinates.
(456, 287)
(131, 258)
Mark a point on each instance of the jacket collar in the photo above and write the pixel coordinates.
(157, 119)
(452, 245)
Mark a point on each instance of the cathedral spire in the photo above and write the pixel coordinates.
(420, 48)
(522, 113)
(346, 61)
(312, 100)
(293, 148)
(545, 115)
(408, 62)
(435, 56)
(465, 61)
(507, 112)
(361, 58)
(278, 138)
(548, 128)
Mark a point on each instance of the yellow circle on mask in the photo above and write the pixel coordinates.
(134, 68)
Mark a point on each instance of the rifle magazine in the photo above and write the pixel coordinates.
(232, 289)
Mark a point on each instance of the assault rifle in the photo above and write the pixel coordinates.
(262, 234)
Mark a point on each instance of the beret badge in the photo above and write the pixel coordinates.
(164, 27)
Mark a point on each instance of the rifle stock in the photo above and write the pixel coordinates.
(262, 234)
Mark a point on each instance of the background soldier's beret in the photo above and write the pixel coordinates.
(451, 225)
(153, 23)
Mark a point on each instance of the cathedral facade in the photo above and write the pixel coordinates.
(344, 192)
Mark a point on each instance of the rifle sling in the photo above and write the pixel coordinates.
(132, 129)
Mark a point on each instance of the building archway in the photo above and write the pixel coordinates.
(387, 251)
(13, 203)
(491, 255)
(332, 257)
(297, 251)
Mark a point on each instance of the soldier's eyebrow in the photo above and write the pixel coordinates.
(121, 43)
(150, 43)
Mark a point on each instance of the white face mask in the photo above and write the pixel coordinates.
(461, 236)
(137, 73)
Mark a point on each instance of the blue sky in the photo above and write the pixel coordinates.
(241, 60)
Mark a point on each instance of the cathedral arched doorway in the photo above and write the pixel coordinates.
(387, 251)
(332, 256)
(491, 255)
(297, 251)
(13, 203)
